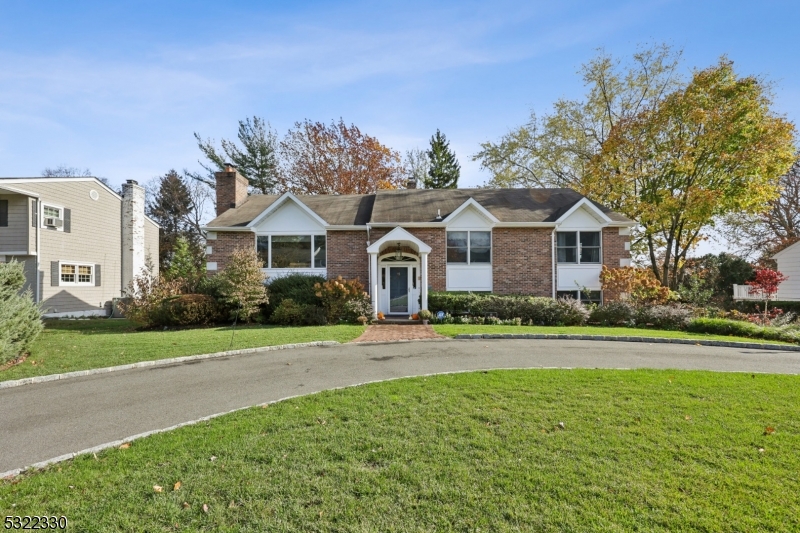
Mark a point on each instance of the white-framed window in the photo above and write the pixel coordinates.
(292, 251)
(578, 247)
(76, 274)
(53, 217)
(584, 297)
(469, 247)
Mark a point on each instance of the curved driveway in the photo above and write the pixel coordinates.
(47, 420)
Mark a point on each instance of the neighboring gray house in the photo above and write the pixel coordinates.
(81, 243)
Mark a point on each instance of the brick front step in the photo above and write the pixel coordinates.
(399, 322)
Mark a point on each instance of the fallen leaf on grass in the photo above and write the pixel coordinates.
(213, 458)
(205, 508)
(158, 488)
(186, 505)
(124, 445)
(177, 486)
(687, 417)
(769, 430)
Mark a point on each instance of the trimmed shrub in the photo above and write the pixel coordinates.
(670, 317)
(314, 315)
(571, 312)
(335, 293)
(360, 306)
(724, 326)
(146, 293)
(613, 313)
(530, 310)
(297, 287)
(20, 317)
(288, 313)
(188, 310)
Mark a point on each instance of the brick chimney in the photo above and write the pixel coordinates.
(231, 188)
(411, 183)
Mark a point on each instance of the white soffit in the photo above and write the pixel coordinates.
(398, 234)
(473, 204)
(277, 204)
(587, 206)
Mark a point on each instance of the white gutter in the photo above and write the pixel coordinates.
(228, 228)
(553, 258)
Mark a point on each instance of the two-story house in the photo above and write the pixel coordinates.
(80, 242)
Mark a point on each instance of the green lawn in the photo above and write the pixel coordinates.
(451, 330)
(67, 345)
(639, 451)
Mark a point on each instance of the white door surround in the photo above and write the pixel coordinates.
(386, 247)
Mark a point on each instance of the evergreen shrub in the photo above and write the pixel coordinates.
(20, 317)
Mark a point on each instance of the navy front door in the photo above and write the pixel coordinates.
(398, 290)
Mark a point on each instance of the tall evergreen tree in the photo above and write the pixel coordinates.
(170, 205)
(444, 168)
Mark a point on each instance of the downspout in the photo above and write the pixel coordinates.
(553, 259)
(369, 267)
(38, 294)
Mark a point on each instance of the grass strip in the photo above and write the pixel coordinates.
(530, 450)
(451, 330)
(69, 345)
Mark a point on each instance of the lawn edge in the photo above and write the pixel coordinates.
(632, 338)
(158, 362)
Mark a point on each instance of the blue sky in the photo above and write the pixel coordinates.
(120, 87)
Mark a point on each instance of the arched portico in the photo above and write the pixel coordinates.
(396, 259)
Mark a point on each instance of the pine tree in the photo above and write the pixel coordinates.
(444, 168)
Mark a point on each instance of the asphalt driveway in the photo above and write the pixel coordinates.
(46, 420)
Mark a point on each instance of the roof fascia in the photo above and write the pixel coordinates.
(398, 233)
(778, 254)
(279, 202)
(345, 227)
(471, 202)
(584, 202)
(406, 224)
(227, 228)
(18, 191)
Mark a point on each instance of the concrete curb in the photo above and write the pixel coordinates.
(159, 362)
(618, 338)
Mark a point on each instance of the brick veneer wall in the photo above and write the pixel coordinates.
(437, 259)
(613, 251)
(225, 244)
(347, 256)
(522, 261)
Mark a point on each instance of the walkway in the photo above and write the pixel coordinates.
(51, 419)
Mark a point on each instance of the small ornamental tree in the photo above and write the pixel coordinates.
(241, 284)
(766, 284)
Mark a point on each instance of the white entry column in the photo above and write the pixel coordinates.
(424, 279)
(373, 276)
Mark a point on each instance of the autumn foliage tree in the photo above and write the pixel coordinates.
(765, 284)
(711, 148)
(336, 158)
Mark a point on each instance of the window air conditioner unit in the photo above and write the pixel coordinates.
(53, 222)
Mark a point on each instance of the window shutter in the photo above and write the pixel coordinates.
(3, 212)
(33, 213)
(55, 274)
(97, 275)
(67, 220)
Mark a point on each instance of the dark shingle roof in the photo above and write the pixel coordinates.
(420, 206)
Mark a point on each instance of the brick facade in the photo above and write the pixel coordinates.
(613, 251)
(225, 244)
(347, 255)
(522, 261)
